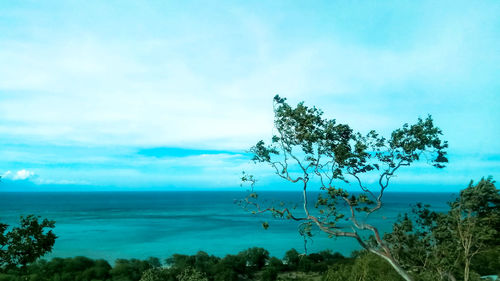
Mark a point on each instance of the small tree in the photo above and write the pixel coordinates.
(255, 257)
(292, 259)
(24, 244)
(310, 150)
(443, 245)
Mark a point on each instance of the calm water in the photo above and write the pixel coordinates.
(114, 225)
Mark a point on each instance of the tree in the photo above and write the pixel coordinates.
(310, 150)
(26, 243)
(255, 257)
(444, 245)
(231, 267)
(292, 259)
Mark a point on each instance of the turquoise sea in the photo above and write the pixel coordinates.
(113, 225)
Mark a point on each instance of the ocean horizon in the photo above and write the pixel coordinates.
(141, 224)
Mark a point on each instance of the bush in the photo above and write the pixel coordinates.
(158, 274)
(128, 270)
(191, 274)
(255, 257)
(270, 274)
(366, 267)
(292, 259)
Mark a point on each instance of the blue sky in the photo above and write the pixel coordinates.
(122, 95)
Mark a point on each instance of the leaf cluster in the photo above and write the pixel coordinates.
(442, 244)
(27, 242)
(302, 131)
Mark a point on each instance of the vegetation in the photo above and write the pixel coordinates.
(24, 244)
(461, 244)
(325, 266)
(310, 150)
(251, 264)
(365, 266)
(443, 246)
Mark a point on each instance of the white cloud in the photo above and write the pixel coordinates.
(19, 175)
(27, 175)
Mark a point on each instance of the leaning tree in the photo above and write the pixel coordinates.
(314, 152)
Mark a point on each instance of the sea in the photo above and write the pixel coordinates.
(112, 225)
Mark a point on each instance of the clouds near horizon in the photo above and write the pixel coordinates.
(18, 175)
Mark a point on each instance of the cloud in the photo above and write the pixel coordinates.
(84, 87)
(19, 175)
(30, 177)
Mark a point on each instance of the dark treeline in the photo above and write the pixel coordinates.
(252, 264)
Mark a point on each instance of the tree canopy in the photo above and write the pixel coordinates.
(313, 151)
(27, 242)
(440, 246)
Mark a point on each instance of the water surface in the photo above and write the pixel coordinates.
(114, 225)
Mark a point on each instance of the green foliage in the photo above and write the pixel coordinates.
(180, 261)
(487, 262)
(201, 262)
(251, 264)
(129, 269)
(292, 259)
(311, 150)
(305, 129)
(269, 274)
(157, 274)
(205, 263)
(366, 267)
(191, 274)
(440, 245)
(276, 264)
(232, 265)
(77, 268)
(25, 243)
(307, 145)
(305, 264)
(256, 257)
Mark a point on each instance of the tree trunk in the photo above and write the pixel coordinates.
(394, 265)
(466, 269)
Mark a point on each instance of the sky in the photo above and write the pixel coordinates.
(169, 95)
